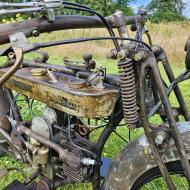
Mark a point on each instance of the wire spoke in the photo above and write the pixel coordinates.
(158, 183)
(154, 185)
(181, 179)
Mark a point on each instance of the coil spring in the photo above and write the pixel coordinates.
(128, 91)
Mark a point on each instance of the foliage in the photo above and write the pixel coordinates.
(162, 10)
(123, 6)
(105, 7)
(16, 18)
(170, 10)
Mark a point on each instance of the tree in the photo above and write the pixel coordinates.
(166, 10)
(107, 7)
(123, 5)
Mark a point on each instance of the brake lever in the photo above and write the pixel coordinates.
(19, 60)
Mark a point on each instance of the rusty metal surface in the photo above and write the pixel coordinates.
(63, 153)
(70, 159)
(79, 66)
(41, 25)
(9, 140)
(85, 102)
(149, 62)
(15, 67)
(128, 90)
(137, 158)
(161, 56)
(4, 108)
(112, 79)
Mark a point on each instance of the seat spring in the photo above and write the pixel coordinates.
(128, 91)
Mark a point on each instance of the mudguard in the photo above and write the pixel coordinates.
(137, 159)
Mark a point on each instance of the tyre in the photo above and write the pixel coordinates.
(135, 167)
(153, 180)
(2, 153)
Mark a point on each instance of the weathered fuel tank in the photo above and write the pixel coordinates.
(84, 101)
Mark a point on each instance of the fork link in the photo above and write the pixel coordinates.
(128, 91)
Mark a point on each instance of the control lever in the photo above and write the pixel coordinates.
(44, 6)
(87, 65)
(19, 59)
(96, 79)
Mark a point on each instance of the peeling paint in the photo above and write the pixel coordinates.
(136, 159)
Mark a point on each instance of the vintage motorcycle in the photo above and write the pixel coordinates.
(56, 145)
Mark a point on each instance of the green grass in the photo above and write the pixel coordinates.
(114, 144)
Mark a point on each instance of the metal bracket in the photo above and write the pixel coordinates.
(19, 40)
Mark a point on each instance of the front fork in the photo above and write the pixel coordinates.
(161, 56)
(149, 62)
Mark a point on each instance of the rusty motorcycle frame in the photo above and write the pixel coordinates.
(56, 145)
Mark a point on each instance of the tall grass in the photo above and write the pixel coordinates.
(171, 36)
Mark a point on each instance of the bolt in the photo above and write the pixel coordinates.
(11, 55)
(87, 57)
(122, 54)
(171, 142)
(161, 136)
(13, 38)
(88, 161)
(159, 139)
(140, 56)
(112, 54)
(35, 33)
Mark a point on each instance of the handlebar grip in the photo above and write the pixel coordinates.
(41, 25)
(133, 19)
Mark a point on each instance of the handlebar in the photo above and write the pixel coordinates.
(34, 27)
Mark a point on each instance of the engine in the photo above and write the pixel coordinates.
(58, 151)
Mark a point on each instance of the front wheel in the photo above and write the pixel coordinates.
(135, 167)
(153, 180)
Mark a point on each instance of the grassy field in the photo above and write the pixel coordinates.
(171, 36)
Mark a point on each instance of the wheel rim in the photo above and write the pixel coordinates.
(158, 183)
(153, 180)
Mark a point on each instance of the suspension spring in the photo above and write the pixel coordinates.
(128, 90)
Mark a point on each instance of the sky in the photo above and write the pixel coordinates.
(186, 12)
